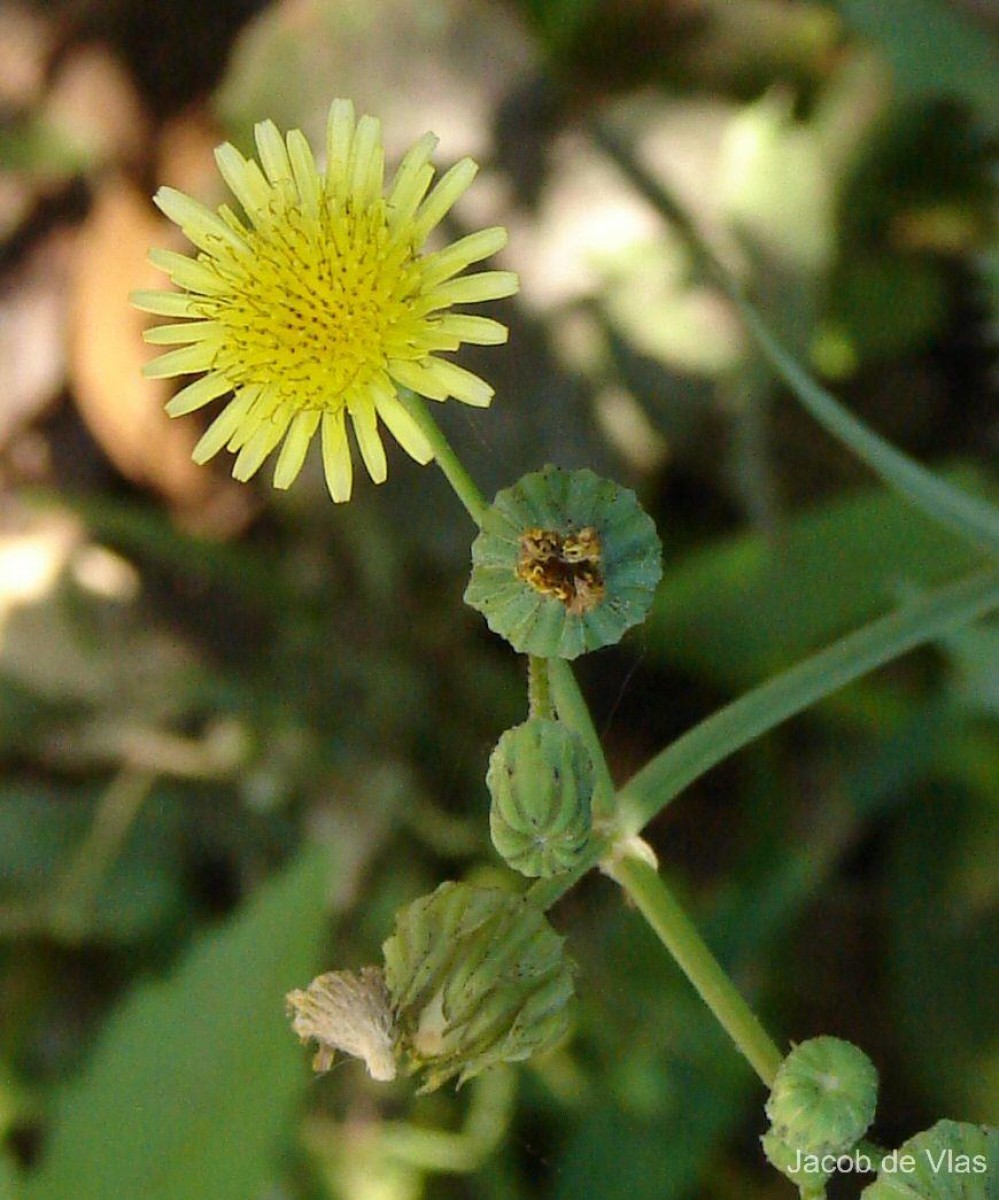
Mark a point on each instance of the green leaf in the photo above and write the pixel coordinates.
(738, 610)
(940, 958)
(196, 1078)
(9, 1180)
(41, 833)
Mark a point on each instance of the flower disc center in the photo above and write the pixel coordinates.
(564, 566)
(313, 306)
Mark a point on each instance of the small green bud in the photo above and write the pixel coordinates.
(477, 977)
(565, 562)
(540, 779)
(951, 1161)
(822, 1101)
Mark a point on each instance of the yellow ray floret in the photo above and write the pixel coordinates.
(320, 302)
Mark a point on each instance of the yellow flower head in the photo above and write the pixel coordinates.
(321, 301)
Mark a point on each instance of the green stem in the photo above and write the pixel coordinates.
(459, 479)
(739, 723)
(700, 749)
(464, 1151)
(539, 692)
(570, 703)
(486, 1124)
(643, 884)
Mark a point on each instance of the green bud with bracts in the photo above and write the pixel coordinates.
(953, 1160)
(477, 976)
(823, 1098)
(540, 780)
(806, 1174)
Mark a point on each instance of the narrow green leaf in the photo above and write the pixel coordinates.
(765, 707)
(196, 1077)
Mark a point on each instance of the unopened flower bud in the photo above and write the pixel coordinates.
(477, 977)
(540, 779)
(822, 1101)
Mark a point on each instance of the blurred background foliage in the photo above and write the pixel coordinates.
(239, 728)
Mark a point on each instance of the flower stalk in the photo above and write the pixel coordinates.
(454, 472)
(643, 884)
(539, 692)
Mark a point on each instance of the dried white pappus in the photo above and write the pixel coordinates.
(349, 1012)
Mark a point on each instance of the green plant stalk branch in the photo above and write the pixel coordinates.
(695, 753)
(569, 701)
(487, 1123)
(462, 1151)
(739, 723)
(972, 518)
(653, 899)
